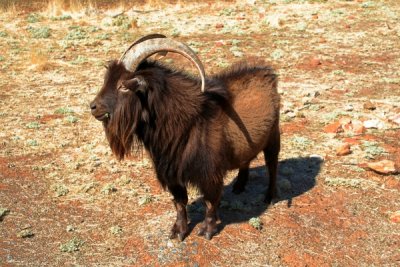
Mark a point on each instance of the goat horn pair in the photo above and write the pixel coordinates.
(156, 43)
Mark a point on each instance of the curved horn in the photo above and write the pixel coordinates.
(146, 48)
(142, 39)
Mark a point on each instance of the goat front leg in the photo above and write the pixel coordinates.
(180, 227)
(212, 196)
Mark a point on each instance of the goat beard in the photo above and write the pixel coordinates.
(121, 127)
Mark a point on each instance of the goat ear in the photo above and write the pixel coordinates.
(137, 84)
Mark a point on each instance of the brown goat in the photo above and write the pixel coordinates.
(193, 137)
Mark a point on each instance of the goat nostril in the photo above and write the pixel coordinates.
(92, 106)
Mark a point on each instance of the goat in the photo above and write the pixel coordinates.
(194, 130)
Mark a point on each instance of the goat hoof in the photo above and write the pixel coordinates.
(208, 236)
(181, 237)
(201, 232)
(172, 235)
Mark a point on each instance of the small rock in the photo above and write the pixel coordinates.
(219, 26)
(395, 217)
(383, 167)
(306, 100)
(369, 105)
(274, 21)
(315, 62)
(376, 124)
(72, 245)
(358, 127)
(70, 228)
(335, 127)
(116, 230)
(291, 114)
(219, 43)
(343, 150)
(25, 233)
(3, 213)
(349, 107)
(314, 94)
(395, 119)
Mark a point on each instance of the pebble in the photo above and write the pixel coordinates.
(376, 124)
(219, 43)
(349, 107)
(315, 62)
(383, 167)
(395, 119)
(358, 127)
(335, 127)
(274, 21)
(369, 105)
(343, 149)
(395, 217)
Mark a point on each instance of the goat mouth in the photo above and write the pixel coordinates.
(103, 117)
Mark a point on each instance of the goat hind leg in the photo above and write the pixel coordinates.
(241, 181)
(180, 227)
(271, 153)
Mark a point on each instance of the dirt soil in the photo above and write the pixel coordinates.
(65, 200)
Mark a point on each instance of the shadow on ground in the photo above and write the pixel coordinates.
(295, 177)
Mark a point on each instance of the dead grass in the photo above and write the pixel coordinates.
(39, 61)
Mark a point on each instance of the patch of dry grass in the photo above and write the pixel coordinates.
(39, 61)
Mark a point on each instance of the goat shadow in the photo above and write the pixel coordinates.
(295, 177)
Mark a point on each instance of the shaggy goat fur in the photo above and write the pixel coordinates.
(194, 137)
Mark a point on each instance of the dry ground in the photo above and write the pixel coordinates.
(66, 201)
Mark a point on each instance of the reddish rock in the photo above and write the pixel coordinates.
(343, 150)
(395, 217)
(315, 62)
(383, 167)
(219, 25)
(369, 105)
(335, 127)
(219, 43)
